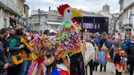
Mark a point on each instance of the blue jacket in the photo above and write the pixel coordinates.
(108, 44)
(127, 42)
(97, 40)
(101, 57)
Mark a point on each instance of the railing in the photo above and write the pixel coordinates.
(54, 20)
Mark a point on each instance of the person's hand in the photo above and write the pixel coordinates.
(6, 66)
(21, 46)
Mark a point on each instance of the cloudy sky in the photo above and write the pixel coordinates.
(88, 5)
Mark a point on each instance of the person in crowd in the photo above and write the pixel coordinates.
(61, 67)
(89, 57)
(97, 40)
(109, 52)
(108, 43)
(102, 59)
(50, 56)
(130, 55)
(15, 46)
(4, 63)
(127, 40)
(50, 65)
(119, 60)
(102, 40)
(112, 55)
(95, 44)
(26, 53)
(96, 63)
(47, 32)
(76, 62)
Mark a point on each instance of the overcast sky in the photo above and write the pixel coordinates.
(87, 5)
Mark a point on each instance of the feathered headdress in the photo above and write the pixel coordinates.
(61, 8)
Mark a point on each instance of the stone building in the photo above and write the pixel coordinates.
(125, 21)
(13, 12)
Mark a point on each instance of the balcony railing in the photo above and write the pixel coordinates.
(48, 20)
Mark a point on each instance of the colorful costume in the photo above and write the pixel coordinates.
(61, 46)
(119, 61)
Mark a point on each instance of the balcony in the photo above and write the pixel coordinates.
(9, 5)
(125, 22)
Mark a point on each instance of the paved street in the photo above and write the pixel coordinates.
(109, 71)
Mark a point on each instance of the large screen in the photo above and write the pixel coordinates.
(93, 24)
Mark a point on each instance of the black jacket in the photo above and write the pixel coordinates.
(3, 58)
(117, 58)
(130, 52)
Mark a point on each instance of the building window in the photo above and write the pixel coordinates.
(59, 19)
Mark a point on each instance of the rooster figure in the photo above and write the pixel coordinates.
(68, 14)
(70, 26)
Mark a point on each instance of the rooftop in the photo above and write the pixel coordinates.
(42, 12)
(55, 12)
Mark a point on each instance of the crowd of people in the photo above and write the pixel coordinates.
(18, 54)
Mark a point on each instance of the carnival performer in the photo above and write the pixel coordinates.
(70, 25)
(50, 49)
(119, 58)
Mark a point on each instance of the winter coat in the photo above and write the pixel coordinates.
(14, 44)
(89, 53)
(130, 52)
(3, 58)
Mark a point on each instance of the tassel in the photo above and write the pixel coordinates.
(31, 68)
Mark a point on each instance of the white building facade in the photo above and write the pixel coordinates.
(125, 21)
(42, 20)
